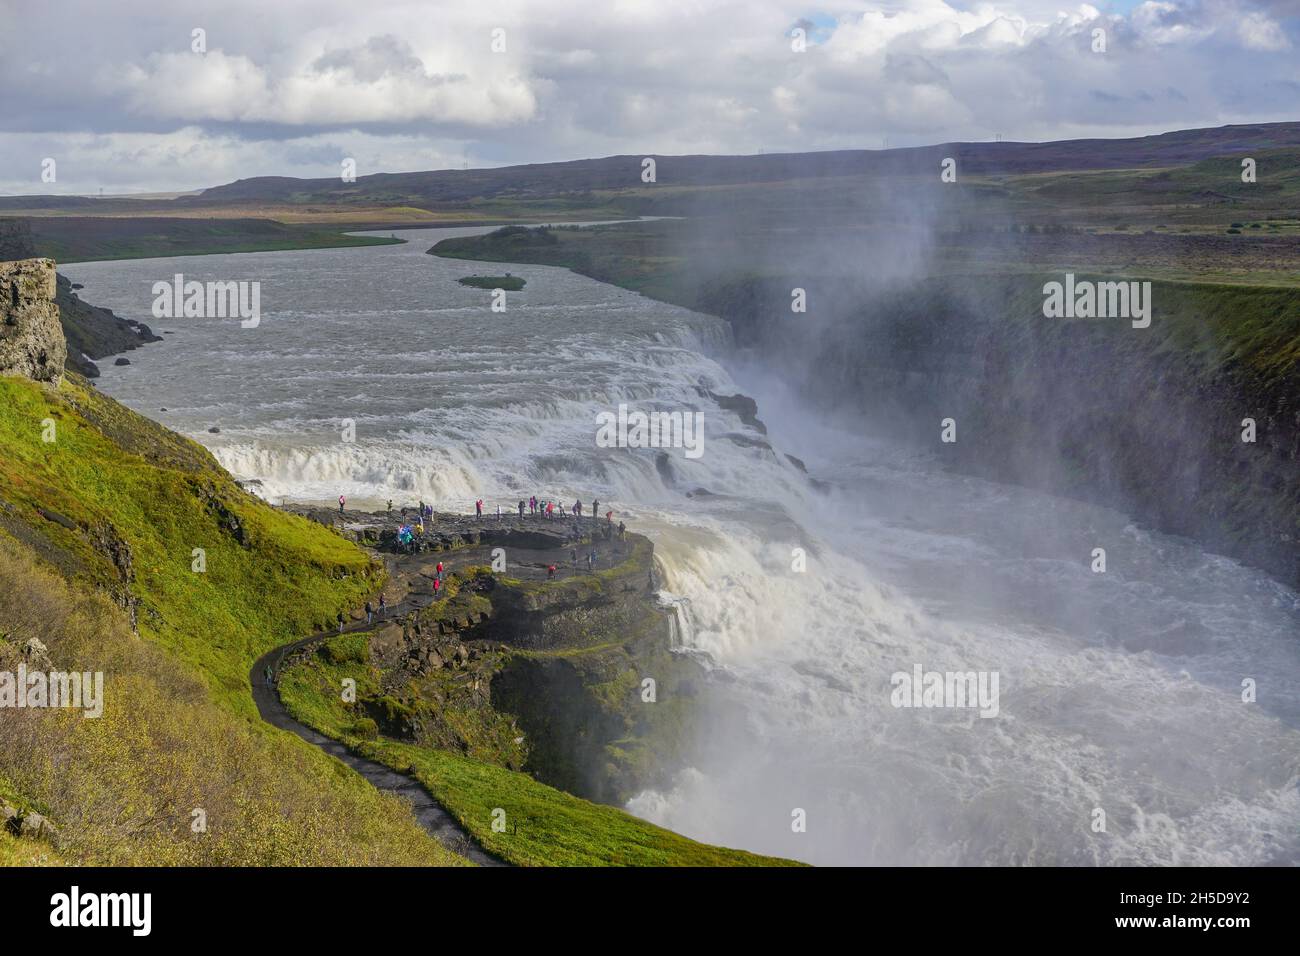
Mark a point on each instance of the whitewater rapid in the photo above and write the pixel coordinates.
(1119, 692)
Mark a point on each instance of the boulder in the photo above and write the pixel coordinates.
(33, 824)
(36, 653)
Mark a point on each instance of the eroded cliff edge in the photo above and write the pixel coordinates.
(89, 331)
(572, 677)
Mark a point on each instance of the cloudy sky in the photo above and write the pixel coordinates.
(116, 93)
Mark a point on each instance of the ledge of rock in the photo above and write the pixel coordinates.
(31, 338)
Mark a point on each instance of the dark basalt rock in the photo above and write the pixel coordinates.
(664, 465)
(742, 405)
(93, 332)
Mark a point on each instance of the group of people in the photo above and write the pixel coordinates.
(573, 556)
(536, 506)
(546, 508)
(370, 612)
(408, 532)
(437, 582)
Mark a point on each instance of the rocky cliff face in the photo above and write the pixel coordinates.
(95, 333)
(31, 338)
(1149, 421)
(90, 332)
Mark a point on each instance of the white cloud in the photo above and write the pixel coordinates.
(341, 86)
(279, 88)
(1258, 32)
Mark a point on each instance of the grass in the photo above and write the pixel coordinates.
(116, 505)
(16, 852)
(544, 826)
(83, 239)
(165, 497)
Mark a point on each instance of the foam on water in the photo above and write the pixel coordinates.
(1119, 691)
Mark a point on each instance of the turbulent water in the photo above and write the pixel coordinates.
(1120, 693)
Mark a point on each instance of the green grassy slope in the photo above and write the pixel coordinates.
(116, 504)
(87, 239)
(543, 826)
(117, 477)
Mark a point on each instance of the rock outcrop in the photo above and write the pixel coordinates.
(1149, 421)
(31, 338)
(94, 333)
(90, 332)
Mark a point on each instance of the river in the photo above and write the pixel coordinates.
(1120, 737)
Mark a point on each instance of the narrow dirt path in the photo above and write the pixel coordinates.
(410, 577)
(430, 814)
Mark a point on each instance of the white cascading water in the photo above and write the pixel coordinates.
(1119, 692)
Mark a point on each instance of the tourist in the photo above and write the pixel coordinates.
(383, 607)
(521, 507)
(478, 508)
(437, 588)
(370, 614)
(340, 622)
(622, 531)
(342, 502)
(591, 560)
(595, 510)
(550, 572)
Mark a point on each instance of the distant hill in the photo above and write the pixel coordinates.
(449, 187)
(616, 172)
